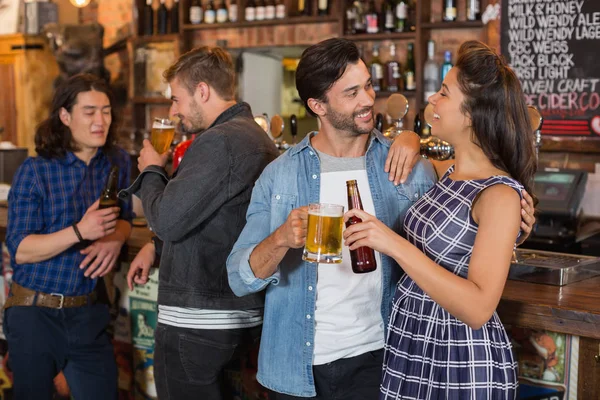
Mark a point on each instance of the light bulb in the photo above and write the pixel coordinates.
(80, 3)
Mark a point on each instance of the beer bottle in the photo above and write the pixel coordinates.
(363, 258)
(108, 198)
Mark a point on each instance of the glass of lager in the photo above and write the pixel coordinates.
(163, 130)
(324, 236)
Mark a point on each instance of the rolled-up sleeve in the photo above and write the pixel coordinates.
(258, 227)
(24, 207)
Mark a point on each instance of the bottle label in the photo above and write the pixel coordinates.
(250, 13)
(410, 80)
(372, 25)
(196, 15)
(450, 13)
(280, 11)
(270, 12)
(376, 71)
(209, 17)
(322, 4)
(260, 13)
(221, 15)
(389, 20)
(401, 11)
(233, 11)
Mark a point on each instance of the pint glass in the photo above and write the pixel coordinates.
(163, 131)
(324, 236)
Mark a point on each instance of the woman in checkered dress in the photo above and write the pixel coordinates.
(445, 340)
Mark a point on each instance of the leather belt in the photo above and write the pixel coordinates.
(22, 296)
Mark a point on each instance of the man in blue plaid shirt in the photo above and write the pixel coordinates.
(60, 243)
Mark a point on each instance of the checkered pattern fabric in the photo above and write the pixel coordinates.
(429, 354)
(48, 195)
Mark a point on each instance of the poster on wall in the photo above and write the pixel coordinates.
(9, 16)
(552, 45)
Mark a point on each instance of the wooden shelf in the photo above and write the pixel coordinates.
(452, 25)
(266, 22)
(384, 93)
(383, 36)
(151, 100)
(156, 38)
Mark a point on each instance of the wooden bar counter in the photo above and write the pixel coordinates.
(573, 309)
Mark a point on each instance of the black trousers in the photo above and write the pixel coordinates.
(355, 378)
(188, 363)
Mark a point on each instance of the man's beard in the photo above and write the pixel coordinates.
(196, 120)
(347, 123)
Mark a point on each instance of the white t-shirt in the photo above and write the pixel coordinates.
(348, 318)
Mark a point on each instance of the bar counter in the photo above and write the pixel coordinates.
(573, 309)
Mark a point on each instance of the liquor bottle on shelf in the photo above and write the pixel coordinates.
(270, 10)
(372, 18)
(210, 14)
(447, 65)
(280, 9)
(431, 73)
(233, 11)
(376, 69)
(473, 10)
(409, 71)
(260, 10)
(148, 18)
(411, 16)
(250, 11)
(162, 19)
(363, 258)
(222, 14)
(196, 16)
(304, 7)
(388, 17)
(392, 71)
(323, 7)
(401, 15)
(175, 17)
(449, 10)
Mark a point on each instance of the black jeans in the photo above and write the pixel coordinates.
(355, 378)
(44, 341)
(188, 363)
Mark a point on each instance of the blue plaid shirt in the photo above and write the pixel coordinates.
(48, 195)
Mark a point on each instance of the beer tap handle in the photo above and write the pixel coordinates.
(294, 127)
(379, 122)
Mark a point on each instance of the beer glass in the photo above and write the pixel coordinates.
(324, 236)
(163, 130)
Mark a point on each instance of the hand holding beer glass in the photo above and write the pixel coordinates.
(324, 236)
(163, 130)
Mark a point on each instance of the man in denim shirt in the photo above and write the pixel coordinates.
(323, 337)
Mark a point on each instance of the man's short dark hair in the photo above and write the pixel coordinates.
(321, 65)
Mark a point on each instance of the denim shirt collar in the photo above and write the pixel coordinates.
(304, 144)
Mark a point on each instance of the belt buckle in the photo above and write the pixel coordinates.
(62, 299)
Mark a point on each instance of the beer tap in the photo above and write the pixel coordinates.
(293, 127)
(379, 122)
(536, 120)
(432, 146)
(277, 126)
(397, 107)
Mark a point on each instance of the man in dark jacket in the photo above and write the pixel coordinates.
(197, 214)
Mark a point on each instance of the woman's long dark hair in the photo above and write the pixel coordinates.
(496, 104)
(53, 138)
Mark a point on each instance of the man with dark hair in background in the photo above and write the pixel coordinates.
(60, 242)
(197, 214)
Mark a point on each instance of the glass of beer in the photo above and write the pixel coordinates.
(324, 236)
(163, 130)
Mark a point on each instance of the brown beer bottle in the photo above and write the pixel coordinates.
(109, 198)
(363, 258)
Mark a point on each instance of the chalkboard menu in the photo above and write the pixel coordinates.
(554, 47)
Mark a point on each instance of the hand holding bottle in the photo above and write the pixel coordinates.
(97, 223)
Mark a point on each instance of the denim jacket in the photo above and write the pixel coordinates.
(291, 181)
